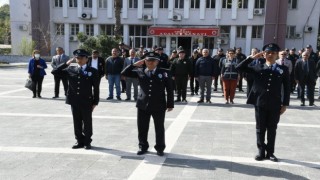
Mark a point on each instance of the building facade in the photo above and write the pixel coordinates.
(173, 23)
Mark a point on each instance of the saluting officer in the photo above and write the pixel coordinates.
(181, 70)
(152, 100)
(83, 96)
(265, 95)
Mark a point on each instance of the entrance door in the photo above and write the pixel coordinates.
(185, 42)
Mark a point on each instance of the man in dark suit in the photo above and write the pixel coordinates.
(265, 95)
(305, 75)
(241, 57)
(152, 100)
(97, 62)
(83, 96)
(58, 59)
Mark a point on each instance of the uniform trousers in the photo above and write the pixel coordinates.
(249, 85)
(143, 128)
(267, 119)
(57, 79)
(205, 82)
(135, 83)
(82, 122)
(37, 84)
(194, 88)
(229, 88)
(181, 83)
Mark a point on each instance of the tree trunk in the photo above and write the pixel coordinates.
(117, 27)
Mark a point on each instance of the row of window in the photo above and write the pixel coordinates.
(178, 4)
(142, 30)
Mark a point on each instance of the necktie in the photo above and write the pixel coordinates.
(59, 59)
(282, 62)
(150, 73)
(306, 69)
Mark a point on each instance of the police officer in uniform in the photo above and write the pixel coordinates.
(83, 96)
(181, 70)
(265, 95)
(152, 100)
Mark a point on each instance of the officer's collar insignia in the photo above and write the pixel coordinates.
(160, 76)
(165, 74)
(280, 70)
(89, 74)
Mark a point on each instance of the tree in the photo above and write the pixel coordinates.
(5, 31)
(26, 46)
(102, 43)
(117, 12)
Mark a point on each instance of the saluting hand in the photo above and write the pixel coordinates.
(258, 55)
(283, 109)
(139, 63)
(69, 61)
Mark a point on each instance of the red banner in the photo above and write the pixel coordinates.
(167, 31)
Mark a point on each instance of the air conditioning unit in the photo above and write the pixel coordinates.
(176, 17)
(257, 12)
(147, 17)
(224, 41)
(23, 27)
(307, 29)
(86, 16)
(73, 38)
(298, 35)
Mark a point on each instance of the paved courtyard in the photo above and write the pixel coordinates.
(206, 141)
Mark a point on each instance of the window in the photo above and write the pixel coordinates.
(74, 29)
(243, 4)
(102, 3)
(225, 31)
(73, 3)
(87, 3)
(178, 4)
(241, 31)
(292, 4)
(148, 4)
(57, 3)
(139, 36)
(133, 3)
(89, 29)
(291, 32)
(211, 4)
(195, 4)
(59, 29)
(226, 4)
(106, 29)
(256, 31)
(259, 4)
(163, 3)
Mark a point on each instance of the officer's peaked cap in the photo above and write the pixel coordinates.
(271, 47)
(151, 56)
(81, 53)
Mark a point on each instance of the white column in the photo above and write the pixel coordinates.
(250, 9)
(234, 9)
(79, 8)
(186, 9)
(110, 8)
(96, 29)
(65, 8)
(66, 38)
(124, 11)
(155, 9)
(233, 36)
(81, 28)
(202, 9)
(248, 40)
(140, 5)
(218, 9)
(168, 45)
(126, 37)
(170, 9)
(94, 8)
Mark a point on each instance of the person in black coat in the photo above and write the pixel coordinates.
(306, 75)
(267, 98)
(82, 95)
(152, 100)
(97, 62)
(241, 57)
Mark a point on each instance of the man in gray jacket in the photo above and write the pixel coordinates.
(131, 80)
(58, 59)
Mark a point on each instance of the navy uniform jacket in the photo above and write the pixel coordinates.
(101, 65)
(266, 89)
(152, 89)
(83, 85)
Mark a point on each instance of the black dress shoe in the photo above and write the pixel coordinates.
(311, 104)
(184, 100)
(241, 90)
(302, 104)
(259, 157)
(109, 98)
(119, 98)
(160, 153)
(192, 93)
(208, 101)
(197, 93)
(34, 96)
(77, 146)
(200, 101)
(141, 151)
(272, 158)
(39, 96)
(215, 89)
(54, 97)
(128, 99)
(87, 147)
(178, 100)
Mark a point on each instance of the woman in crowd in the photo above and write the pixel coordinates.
(36, 72)
(229, 75)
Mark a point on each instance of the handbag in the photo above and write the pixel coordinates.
(28, 84)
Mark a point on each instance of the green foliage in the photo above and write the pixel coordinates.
(4, 24)
(104, 44)
(26, 46)
(5, 51)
